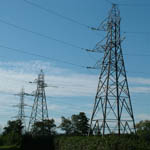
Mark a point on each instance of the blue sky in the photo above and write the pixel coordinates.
(77, 86)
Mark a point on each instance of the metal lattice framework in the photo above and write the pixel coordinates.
(112, 112)
(21, 113)
(39, 108)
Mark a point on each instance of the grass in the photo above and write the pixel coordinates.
(11, 147)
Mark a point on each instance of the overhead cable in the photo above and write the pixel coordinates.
(41, 56)
(40, 34)
(56, 13)
(137, 32)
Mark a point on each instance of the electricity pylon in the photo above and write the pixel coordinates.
(112, 112)
(39, 109)
(21, 113)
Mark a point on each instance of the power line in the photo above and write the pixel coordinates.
(40, 34)
(130, 32)
(72, 20)
(41, 56)
(130, 5)
(56, 14)
(134, 5)
(134, 72)
(58, 60)
(137, 32)
(61, 61)
(108, 1)
(139, 55)
(54, 39)
(58, 101)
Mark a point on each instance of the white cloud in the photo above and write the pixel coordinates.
(69, 84)
(139, 85)
(139, 80)
(140, 89)
(143, 116)
(54, 107)
(15, 75)
(31, 67)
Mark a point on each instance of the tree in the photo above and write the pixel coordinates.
(143, 129)
(12, 133)
(1, 129)
(77, 125)
(13, 126)
(66, 125)
(80, 124)
(45, 127)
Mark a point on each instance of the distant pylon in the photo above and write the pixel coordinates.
(112, 112)
(21, 113)
(39, 109)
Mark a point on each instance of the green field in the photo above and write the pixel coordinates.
(9, 148)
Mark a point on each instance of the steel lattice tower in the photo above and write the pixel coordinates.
(39, 108)
(21, 113)
(112, 112)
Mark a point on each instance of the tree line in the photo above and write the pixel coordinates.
(77, 125)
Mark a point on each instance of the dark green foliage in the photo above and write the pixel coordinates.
(12, 139)
(45, 127)
(9, 148)
(71, 142)
(66, 125)
(12, 133)
(110, 142)
(44, 142)
(1, 140)
(13, 127)
(78, 125)
(143, 129)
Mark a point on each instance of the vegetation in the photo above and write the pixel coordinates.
(76, 128)
(12, 147)
(110, 142)
(12, 134)
(77, 125)
(143, 129)
(45, 127)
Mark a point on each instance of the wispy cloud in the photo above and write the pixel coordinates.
(143, 116)
(15, 75)
(139, 85)
(140, 89)
(139, 80)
